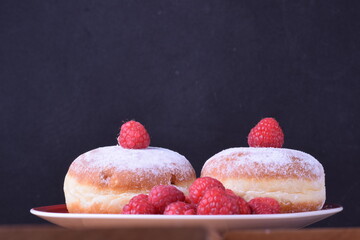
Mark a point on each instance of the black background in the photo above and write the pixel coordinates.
(198, 74)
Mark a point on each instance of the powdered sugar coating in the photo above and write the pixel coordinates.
(152, 159)
(269, 162)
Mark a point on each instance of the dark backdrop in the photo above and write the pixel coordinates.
(197, 74)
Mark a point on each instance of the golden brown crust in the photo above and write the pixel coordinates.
(131, 181)
(301, 206)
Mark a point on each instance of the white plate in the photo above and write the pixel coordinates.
(58, 215)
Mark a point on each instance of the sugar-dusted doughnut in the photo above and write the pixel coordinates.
(294, 178)
(103, 180)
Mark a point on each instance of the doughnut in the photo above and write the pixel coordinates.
(103, 180)
(294, 178)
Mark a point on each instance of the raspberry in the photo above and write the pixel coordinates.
(230, 192)
(162, 195)
(200, 185)
(180, 208)
(187, 199)
(217, 202)
(244, 207)
(267, 133)
(139, 205)
(133, 135)
(264, 205)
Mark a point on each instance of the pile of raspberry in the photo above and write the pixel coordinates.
(207, 196)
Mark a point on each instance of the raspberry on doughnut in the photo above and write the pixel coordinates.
(294, 178)
(103, 180)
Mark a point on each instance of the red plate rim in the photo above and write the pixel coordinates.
(61, 208)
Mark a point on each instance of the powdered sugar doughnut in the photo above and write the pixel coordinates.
(294, 178)
(103, 180)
